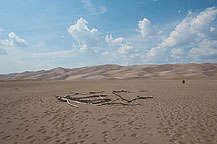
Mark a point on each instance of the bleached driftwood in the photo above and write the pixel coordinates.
(65, 100)
(98, 98)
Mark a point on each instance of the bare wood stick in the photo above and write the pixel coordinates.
(121, 97)
(85, 97)
(77, 102)
(119, 91)
(92, 100)
(129, 101)
(142, 90)
(144, 97)
(140, 97)
(65, 100)
(86, 102)
(94, 92)
(70, 103)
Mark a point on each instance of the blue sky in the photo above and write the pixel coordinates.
(37, 34)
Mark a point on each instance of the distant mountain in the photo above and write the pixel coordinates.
(167, 71)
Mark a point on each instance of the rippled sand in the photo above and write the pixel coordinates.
(178, 113)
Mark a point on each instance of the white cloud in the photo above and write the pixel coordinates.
(118, 40)
(177, 53)
(145, 28)
(190, 28)
(189, 33)
(109, 39)
(106, 53)
(89, 6)
(56, 54)
(203, 53)
(7, 43)
(1, 31)
(207, 49)
(92, 41)
(86, 38)
(81, 27)
(19, 42)
(211, 29)
(83, 48)
(124, 49)
(13, 41)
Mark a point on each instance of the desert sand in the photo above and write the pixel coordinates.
(177, 114)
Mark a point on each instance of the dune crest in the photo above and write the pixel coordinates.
(169, 71)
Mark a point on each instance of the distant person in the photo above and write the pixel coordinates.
(183, 81)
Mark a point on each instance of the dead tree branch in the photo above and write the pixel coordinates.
(114, 92)
(65, 100)
(98, 99)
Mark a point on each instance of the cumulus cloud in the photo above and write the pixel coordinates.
(7, 43)
(211, 29)
(177, 53)
(83, 48)
(89, 6)
(124, 49)
(207, 49)
(91, 40)
(87, 38)
(190, 33)
(146, 29)
(19, 42)
(12, 41)
(110, 39)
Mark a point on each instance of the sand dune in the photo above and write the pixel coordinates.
(206, 70)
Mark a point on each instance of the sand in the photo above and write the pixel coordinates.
(178, 113)
(148, 71)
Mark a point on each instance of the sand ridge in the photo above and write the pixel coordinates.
(148, 71)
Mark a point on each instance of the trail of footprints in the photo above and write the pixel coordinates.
(57, 124)
(186, 120)
(182, 121)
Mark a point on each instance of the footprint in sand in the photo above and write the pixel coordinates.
(105, 135)
(30, 137)
(5, 137)
(47, 138)
(34, 141)
(134, 134)
(101, 118)
(104, 122)
(114, 139)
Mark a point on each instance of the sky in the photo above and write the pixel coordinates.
(40, 35)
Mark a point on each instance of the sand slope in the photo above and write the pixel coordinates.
(206, 70)
(178, 113)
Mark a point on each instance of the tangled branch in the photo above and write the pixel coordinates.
(98, 98)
